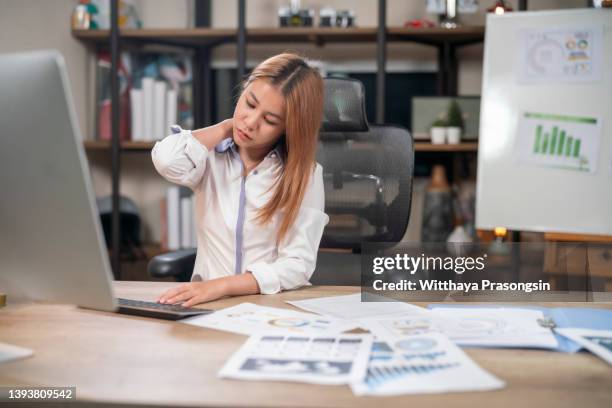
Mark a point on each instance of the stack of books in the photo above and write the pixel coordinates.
(178, 219)
(153, 108)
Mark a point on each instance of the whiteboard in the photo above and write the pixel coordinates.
(527, 181)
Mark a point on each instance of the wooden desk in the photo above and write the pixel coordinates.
(115, 358)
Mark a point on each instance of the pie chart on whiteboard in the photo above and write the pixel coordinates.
(546, 56)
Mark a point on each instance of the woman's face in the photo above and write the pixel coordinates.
(259, 117)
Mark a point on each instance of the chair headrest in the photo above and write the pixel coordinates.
(344, 106)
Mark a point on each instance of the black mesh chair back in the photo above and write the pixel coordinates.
(344, 106)
(367, 171)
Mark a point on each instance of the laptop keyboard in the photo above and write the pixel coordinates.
(156, 306)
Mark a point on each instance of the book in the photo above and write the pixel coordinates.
(186, 222)
(148, 95)
(137, 119)
(159, 110)
(171, 109)
(173, 197)
(163, 207)
(194, 225)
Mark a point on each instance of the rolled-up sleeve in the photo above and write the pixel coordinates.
(180, 158)
(297, 253)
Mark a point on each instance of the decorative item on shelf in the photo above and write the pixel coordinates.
(500, 7)
(465, 206)
(458, 242)
(438, 131)
(497, 246)
(103, 96)
(450, 18)
(128, 15)
(438, 208)
(420, 23)
(294, 16)
(448, 10)
(426, 109)
(454, 123)
(82, 16)
(330, 17)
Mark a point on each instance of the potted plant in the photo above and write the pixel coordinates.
(454, 123)
(438, 131)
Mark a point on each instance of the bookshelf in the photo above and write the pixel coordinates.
(196, 37)
(94, 145)
(460, 147)
(203, 39)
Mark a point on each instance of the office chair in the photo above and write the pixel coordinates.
(367, 173)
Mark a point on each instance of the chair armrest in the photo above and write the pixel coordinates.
(178, 265)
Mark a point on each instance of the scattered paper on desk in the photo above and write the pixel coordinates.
(312, 359)
(8, 352)
(598, 342)
(426, 363)
(351, 307)
(248, 318)
(494, 327)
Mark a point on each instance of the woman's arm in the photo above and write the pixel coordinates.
(181, 157)
(296, 260)
(189, 294)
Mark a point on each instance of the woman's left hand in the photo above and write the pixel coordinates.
(189, 294)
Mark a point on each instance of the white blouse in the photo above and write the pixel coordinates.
(229, 240)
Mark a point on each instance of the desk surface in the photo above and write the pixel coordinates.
(124, 359)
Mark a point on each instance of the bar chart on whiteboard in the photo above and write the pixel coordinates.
(559, 141)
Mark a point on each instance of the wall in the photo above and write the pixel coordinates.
(35, 24)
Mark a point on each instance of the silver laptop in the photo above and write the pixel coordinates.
(51, 243)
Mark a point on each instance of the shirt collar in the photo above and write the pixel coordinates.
(227, 144)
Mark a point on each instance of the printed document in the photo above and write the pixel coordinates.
(312, 359)
(351, 307)
(248, 318)
(425, 363)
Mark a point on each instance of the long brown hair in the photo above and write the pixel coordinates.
(302, 88)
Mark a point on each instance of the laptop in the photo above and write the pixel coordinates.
(51, 243)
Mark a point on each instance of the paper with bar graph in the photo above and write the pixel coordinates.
(417, 364)
(559, 141)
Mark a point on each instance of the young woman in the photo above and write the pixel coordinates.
(258, 190)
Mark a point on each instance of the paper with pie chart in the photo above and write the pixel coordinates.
(248, 318)
(477, 327)
(564, 55)
(316, 359)
(423, 363)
